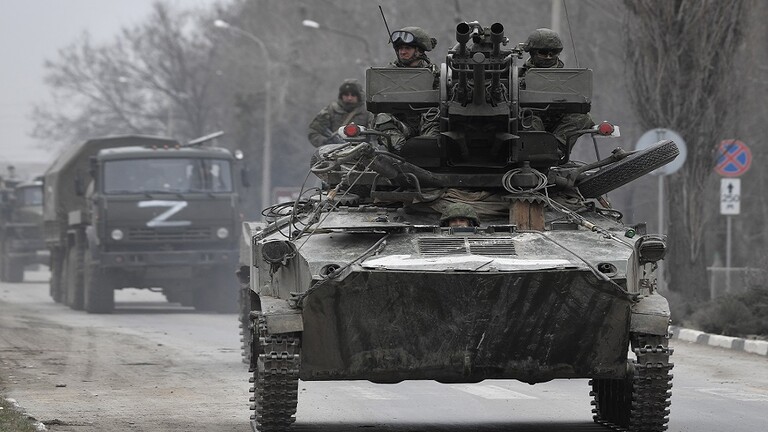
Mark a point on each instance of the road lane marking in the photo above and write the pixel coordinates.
(371, 393)
(490, 391)
(739, 395)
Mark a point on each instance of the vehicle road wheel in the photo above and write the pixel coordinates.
(639, 402)
(99, 296)
(275, 378)
(630, 168)
(74, 280)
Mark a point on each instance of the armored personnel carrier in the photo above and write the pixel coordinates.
(360, 280)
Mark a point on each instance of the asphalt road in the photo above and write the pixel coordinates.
(154, 366)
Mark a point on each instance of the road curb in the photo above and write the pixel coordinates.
(752, 346)
(39, 426)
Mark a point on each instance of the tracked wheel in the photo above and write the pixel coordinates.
(630, 168)
(640, 402)
(275, 378)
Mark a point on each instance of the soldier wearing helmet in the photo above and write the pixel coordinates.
(411, 45)
(544, 46)
(348, 108)
(459, 215)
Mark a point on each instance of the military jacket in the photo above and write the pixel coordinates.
(331, 118)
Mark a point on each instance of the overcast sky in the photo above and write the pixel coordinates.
(32, 31)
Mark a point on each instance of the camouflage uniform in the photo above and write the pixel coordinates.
(459, 210)
(561, 125)
(402, 126)
(322, 129)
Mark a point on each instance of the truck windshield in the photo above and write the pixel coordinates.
(172, 175)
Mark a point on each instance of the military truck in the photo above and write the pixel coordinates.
(363, 282)
(21, 236)
(143, 212)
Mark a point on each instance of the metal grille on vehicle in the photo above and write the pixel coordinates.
(187, 234)
(492, 246)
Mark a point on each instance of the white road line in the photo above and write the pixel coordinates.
(371, 393)
(490, 391)
(738, 395)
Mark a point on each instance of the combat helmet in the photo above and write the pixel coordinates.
(413, 36)
(543, 39)
(459, 210)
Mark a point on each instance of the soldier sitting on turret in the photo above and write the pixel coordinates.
(411, 45)
(544, 46)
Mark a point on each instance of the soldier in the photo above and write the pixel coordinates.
(411, 45)
(459, 215)
(544, 46)
(349, 108)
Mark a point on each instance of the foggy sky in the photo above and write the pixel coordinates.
(32, 31)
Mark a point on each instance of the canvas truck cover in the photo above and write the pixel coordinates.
(59, 179)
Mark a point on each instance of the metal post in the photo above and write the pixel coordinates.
(266, 163)
(661, 281)
(728, 254)
(555, 18)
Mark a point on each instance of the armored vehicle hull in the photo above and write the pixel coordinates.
(538, 280)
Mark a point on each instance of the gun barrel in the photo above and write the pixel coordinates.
(497, 37)
(462, 37)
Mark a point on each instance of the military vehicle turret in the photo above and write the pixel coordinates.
(360, 281)
(21, 236)
(143, 212)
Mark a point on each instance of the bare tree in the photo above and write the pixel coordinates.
(153, 79)
(679, 56)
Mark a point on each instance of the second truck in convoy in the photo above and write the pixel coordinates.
(142, 212)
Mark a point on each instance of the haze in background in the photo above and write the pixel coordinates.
(32, 31)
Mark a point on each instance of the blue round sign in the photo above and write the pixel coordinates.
(733, 158)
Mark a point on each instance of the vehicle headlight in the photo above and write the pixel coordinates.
(222, 233)
(117, 234)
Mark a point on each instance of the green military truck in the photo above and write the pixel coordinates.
(143, 212)
(21, 237)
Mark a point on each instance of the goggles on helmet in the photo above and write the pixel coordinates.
(400, 36)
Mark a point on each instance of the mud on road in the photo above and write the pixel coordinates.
(137, 370)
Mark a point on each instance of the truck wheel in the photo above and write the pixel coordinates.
(3, 259)
(11, 270)
(630, 168)
(73, 284)
(57, 264)
(99, 296)
(218, 293)
(14, 270)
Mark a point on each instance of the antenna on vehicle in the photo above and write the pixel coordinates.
(203, 139)
(389, 33)
(573, 44)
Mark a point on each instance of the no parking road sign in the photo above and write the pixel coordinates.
(733, 158)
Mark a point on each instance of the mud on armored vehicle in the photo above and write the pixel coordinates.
(360, 282)
(143, 212)
(21, 235)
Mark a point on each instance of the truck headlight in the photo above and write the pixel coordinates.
(117, 234)
(222, 233)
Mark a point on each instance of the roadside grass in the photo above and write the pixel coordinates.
(11, 420)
